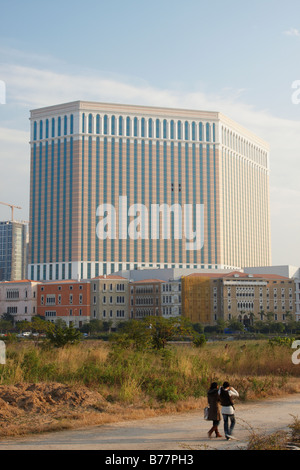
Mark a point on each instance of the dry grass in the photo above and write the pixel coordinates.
(128, 384)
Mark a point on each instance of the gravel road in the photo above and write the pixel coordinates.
(172, 432)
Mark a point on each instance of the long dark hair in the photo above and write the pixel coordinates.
(213, 386)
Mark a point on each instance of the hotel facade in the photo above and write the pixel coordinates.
(118, 187)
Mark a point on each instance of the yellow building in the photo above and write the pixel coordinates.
(196, 298)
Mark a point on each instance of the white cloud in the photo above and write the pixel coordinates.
(292, 32)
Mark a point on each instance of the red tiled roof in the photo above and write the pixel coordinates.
(238, 274)
(110, 276)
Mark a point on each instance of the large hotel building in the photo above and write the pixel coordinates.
(116, 187)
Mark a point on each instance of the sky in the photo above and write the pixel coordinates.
(239, 58)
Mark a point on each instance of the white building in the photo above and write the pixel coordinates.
(19, 299)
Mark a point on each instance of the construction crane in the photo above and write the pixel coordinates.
(12, 206)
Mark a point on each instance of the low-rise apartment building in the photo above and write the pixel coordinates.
(19, 299)
(110, 298)
(146, 298)
(171, 298)
(67, 300)
(242, 296)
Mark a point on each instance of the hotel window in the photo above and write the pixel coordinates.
(59, 126)
(186, 130)
(172, 130)
(157, 128)
(105, 125)
(34, 130)
(47, 128)
(135, 127)
(128, 126)
(165, 129)
(41, 129)
(53, 128)
(150, 131)
(193, 130)
(207, 132)
(120, 125)
(113, 125)
(200, 131)
(90, 123)
(97, 124)
(179, 130)
(143, 127)
(83, 122)
(71, 124)
(65, 125)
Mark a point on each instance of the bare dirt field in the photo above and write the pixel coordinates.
(55, 406)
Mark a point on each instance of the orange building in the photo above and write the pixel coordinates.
(68, 300)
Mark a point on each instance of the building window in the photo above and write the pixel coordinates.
(105, 125)
(135, 127)
(113, 125)
(90, 123)
(165, 129)
(128, 126)
(120, 125)
(150, 130)
(157, 128)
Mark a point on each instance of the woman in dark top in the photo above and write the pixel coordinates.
(214, 413)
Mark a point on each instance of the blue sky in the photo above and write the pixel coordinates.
(239, 58)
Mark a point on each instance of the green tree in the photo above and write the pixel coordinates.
(134, 334)
(40, 325)
(221, 325)
(235, 325)
(163, 330)
(60, 336)
(5, 326)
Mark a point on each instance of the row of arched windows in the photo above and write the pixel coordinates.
(54, 127)
(148, 127)
(243, 146)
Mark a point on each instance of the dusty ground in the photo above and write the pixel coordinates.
(186, 431)
(35, 408)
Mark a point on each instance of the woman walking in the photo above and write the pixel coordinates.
(214, 413)
(227, 393)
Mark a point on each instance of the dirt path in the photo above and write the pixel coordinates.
(173, 432)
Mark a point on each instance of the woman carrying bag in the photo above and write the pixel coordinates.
(214, 413)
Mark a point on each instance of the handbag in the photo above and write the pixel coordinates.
(206, 411)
